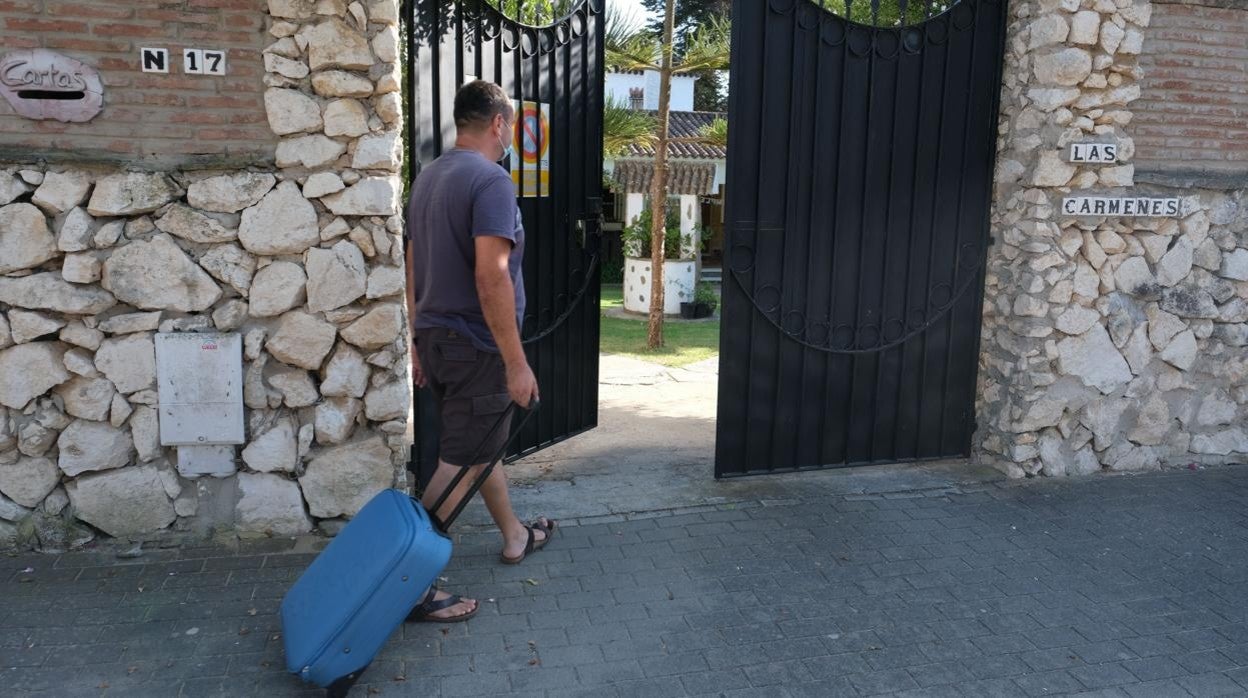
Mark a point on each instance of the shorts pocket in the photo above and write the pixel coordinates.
(456, 352)
(490, 404)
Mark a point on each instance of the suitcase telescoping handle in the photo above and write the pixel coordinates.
(444, 526)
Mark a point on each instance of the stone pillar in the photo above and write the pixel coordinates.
(1109, 342)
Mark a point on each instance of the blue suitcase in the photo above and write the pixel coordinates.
(343, 608)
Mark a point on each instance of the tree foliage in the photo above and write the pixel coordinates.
(887, 13)
(690, 14)
(634, 47)
(715, 133)
(708, 92)
(535, 12)
(623, 126)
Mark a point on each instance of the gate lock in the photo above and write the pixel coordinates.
(589, 228)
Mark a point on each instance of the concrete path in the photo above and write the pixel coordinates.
(654, 451)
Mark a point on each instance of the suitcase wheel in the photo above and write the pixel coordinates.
(342, 686)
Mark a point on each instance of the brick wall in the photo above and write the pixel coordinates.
(161, 120)
(1192, 116)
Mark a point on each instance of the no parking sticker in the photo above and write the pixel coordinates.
(530, 164)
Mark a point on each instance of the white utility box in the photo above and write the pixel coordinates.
(200, 378)
(200, 382)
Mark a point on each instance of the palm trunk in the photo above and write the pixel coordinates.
(658, 187)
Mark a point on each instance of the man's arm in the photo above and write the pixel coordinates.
(498, 302)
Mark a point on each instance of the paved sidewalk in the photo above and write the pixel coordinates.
(1128, 586)
(657, 425)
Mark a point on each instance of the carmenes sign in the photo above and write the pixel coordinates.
(1140, 206)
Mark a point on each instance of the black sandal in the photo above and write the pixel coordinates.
(427, 606)
(533, 545)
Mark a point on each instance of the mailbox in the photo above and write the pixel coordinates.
(42, 84)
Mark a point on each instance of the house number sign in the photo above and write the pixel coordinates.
(195, 61)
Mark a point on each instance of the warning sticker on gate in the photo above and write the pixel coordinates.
(530, 163)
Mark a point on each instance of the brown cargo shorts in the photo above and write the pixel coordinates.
(469, 389)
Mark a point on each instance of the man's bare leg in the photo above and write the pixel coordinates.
(497, 501)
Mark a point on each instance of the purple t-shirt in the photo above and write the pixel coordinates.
(457, 197)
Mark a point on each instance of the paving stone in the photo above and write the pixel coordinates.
(1103, 676)
(1205, 662)
(475, 684)
(1099, 652)
(576, 655)
(1154, 668)
(609, 672)
(882, 682)
(1210, 685)
(999, 666)
(714, 682)
(1049, 683)
(1240, 676)
(823, 689)
(1152, 646)
(1197, 640)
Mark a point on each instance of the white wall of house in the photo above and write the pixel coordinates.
(690, 218)
(619, 84)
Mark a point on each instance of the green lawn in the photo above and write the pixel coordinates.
(686, 342)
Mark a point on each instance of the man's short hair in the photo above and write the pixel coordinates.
(478, 102)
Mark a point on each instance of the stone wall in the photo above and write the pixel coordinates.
(1109, 342)
(304, 260)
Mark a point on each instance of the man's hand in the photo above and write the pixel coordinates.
(522, 384)
(418, 373)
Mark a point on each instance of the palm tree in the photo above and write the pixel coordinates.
(623, 126)
(716, 132)
(631, 48)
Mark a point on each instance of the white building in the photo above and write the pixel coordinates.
(696, 170)
(620, 88)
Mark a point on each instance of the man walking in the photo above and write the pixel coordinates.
(465, 300)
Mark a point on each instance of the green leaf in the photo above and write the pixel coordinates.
(622, 127)
(709, 48)
(715, 133)
(629, 45)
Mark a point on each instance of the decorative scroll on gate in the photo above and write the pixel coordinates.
(861, 156)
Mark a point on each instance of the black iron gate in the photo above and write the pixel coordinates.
(860, 174)
(555, 73)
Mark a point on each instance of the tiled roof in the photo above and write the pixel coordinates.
(686, 124)
(682, 177)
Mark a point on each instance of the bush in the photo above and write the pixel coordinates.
(639, 232)
(613, 271)
(705, 293)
